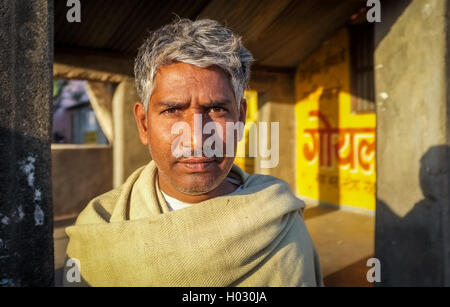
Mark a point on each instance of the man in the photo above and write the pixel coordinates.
(189, 217)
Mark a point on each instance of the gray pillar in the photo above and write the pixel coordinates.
(26, 221)
(277, 104)
(100, 96)
(412, 237)
(128, 151)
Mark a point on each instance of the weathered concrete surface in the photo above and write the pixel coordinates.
(79, 173)
(128, 151)
(26, 220)
(277, 104)
(413, 132)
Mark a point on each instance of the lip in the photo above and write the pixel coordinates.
(197, 160)
(200, 164)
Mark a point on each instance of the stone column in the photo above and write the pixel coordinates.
(277, 104)
(100, 96)
(26, 220)
(412, 238)
(128, 151)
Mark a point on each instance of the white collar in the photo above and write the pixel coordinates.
(175, 204)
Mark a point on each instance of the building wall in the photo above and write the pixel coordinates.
(243, 160)
(79, 173)
(335, 148)
(412, 233)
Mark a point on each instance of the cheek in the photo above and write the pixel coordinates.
(160, 138)
(232, 136)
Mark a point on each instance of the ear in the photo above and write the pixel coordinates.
(141, 121)
(243, 111)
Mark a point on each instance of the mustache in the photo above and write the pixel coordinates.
(186, 154)
(189, 152)
(181, 151)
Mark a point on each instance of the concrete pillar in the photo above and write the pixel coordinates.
(100, 96)
(26, 220)
(128, 151)
(412, 238)
(276, 103)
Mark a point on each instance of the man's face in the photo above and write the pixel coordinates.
(181, 93)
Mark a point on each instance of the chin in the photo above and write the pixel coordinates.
(198, 184)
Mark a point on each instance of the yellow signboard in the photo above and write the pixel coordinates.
(90, 137)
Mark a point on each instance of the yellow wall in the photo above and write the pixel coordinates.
(334, 172)
(243, 160)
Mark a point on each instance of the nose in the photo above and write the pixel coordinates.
(196, 124)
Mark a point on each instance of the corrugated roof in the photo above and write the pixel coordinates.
(279, 33)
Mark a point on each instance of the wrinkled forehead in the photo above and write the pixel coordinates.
(181, 79)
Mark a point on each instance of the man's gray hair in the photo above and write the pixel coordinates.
(202, 43)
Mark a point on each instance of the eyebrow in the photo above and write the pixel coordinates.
(217, 103)
(211, 104)
(172, 104)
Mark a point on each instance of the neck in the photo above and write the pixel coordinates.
(224, 188)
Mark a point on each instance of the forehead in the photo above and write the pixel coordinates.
(186, 79)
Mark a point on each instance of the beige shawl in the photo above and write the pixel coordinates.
(255, 237)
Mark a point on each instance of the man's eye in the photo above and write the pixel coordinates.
(217, 109)
(170, 111)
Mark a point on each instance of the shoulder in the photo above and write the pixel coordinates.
(266, 181)
(99, 209)
(276, 187)
(255, 179)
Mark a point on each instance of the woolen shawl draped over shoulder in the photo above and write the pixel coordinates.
(255, 237)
